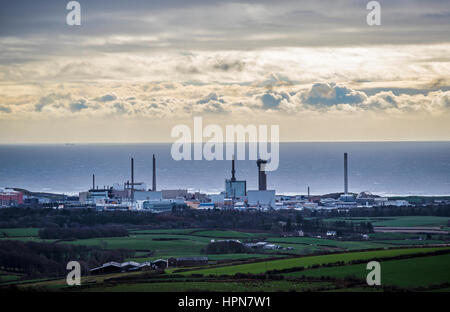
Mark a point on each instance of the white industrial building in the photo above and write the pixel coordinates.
(265, 198)
(217, 199)
(147, 195)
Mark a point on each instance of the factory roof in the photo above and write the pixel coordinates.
(8, 191)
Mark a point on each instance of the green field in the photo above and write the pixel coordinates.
(19, 232)
(406, 221)
(405, 273)
(8, 277)
(217, 257)
(229, 234)
(261, 267)
(412, 242)
(164, 231)
(180, 247)
(164, 243)
(322, 242)
(410, 273)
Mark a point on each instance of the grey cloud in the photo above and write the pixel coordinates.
(274, 80)
(212, 97)
(225, 65)
(42, 103)
(332, 94)
(78, 106)
(228, 25)
(52, 98)
(215, 108)
(212, 103)
(120, 108)
(272, 100)
(5, 109)
(107, 98)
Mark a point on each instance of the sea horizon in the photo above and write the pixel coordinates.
(382, 168)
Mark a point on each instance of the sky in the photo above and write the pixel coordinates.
(135, 69)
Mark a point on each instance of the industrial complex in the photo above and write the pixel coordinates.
(135, 195)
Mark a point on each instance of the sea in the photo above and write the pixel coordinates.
(382, 168)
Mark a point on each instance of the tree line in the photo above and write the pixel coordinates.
(50, 260)
(62, 224)
(226, 247)
(285, 220)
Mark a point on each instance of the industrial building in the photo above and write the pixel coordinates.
(135, 195)
(132, 195)
(148, 195)
(156, 206)
(261, 199)
(217, 199)
(206, 206)
(173, 194)
(233, 187)
(10, 197)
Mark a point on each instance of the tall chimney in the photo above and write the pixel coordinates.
(233, 171)
(308, 192)
(262, 180)
(132, 179)
(93, 181)
(154, 174)
(345, 174)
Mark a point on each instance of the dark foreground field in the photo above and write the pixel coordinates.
(408, 261)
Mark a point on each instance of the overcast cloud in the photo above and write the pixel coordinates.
(300, 64)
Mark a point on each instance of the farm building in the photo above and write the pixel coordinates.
(110, 267)
(127, 266)
(116, 267)
(160, 264)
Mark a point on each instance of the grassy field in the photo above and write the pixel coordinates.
(164, 231)
(412, 242)
(161, 245)
(19, 232)
(395, 236)
(405, 273)
(237, 256)
(407, 221)
(8, 277)
(229, 234)
(321, 242)
(164, 243)
(261, 267)
(178, 247)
